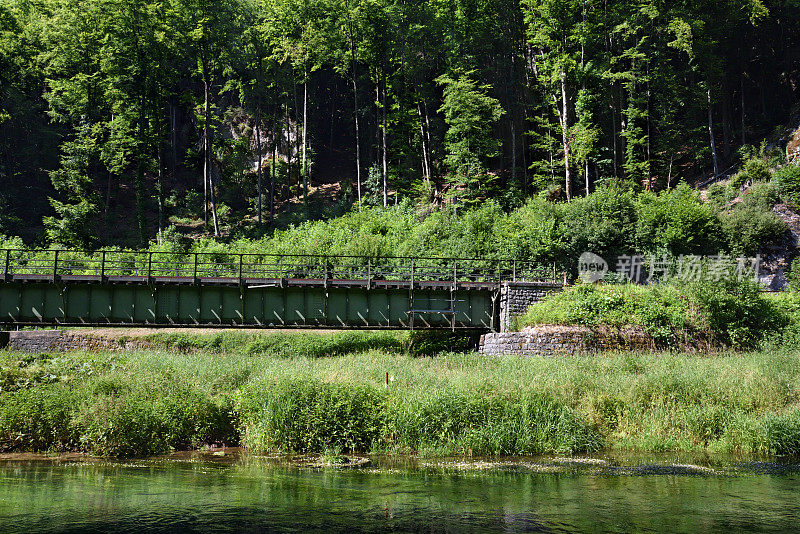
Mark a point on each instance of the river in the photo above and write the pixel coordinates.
(201, 493)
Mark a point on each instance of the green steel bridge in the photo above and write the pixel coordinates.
(155, 289)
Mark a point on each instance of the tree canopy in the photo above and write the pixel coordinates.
(119, 116)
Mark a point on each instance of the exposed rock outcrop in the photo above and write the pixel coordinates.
(776, 259)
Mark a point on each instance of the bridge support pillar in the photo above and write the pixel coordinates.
(517, 297)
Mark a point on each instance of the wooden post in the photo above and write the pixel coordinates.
(150, 268)
(455, 275)
(325, 273)
(7, 272)
(514, 270)
(280, 270)
(194, 273)
(103, 266)
(369, 272)
(241, 260)
(55, 266)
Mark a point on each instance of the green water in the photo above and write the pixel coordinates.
(257, 496)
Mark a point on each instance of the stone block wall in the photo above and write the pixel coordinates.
(564, 340)
(517, 297)
(35, 341)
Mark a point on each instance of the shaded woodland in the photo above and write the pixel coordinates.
(121, 118)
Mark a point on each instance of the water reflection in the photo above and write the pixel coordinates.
(247, 496)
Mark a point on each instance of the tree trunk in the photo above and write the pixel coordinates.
(213, 196)
(174, 147)
(206, 143)
(304, 165)
(355, 113)
(274, 166)
(160, 178)
(586, 175)
(524, 154)
(426, 173)
(669, 173)
(208, 182)
(614, 133)
(744, 130)
(258, 150)
(711, 136)
(288, 154)
(384, 151)
(139, 185)
(513, 153)
(565, 137)
(726, 124)
(428, 138)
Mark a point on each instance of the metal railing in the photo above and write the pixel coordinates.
(55, 265)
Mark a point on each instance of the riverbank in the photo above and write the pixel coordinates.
(329, 394)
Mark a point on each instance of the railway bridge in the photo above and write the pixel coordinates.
(153, 289)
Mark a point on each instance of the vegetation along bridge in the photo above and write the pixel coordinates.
(57, 287)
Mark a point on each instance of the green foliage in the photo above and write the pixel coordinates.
(603, 223)
(39, 419)
(754, 169)
(736, 312)
(280, 345)
(469, 113)
(457, 422)
(787, 181)
(134, 403)
(74, 213)
(560, 86)
(783, 432)
(677, 221)
(310, 416)
(749, 228)
(727, 312)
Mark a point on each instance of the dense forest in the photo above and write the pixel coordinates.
(121, 118)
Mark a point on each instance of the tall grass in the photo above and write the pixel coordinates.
(148, 402)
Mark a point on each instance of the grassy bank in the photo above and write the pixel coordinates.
(725, 313)
(148, 402)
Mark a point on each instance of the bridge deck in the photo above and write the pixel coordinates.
(266, 282)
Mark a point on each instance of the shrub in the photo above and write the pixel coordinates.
(747, 229)
(754, 169)
(144, 423)
(603, 223)
(453, 422)
(787, 181)
(39, 419)
(731, 312)
(762, 196)
(678, 222)
(783, 432)
(720, 194)
(737, 313)
(310, 416)
(531, 232)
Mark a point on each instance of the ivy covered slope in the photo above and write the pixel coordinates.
(122, 118)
